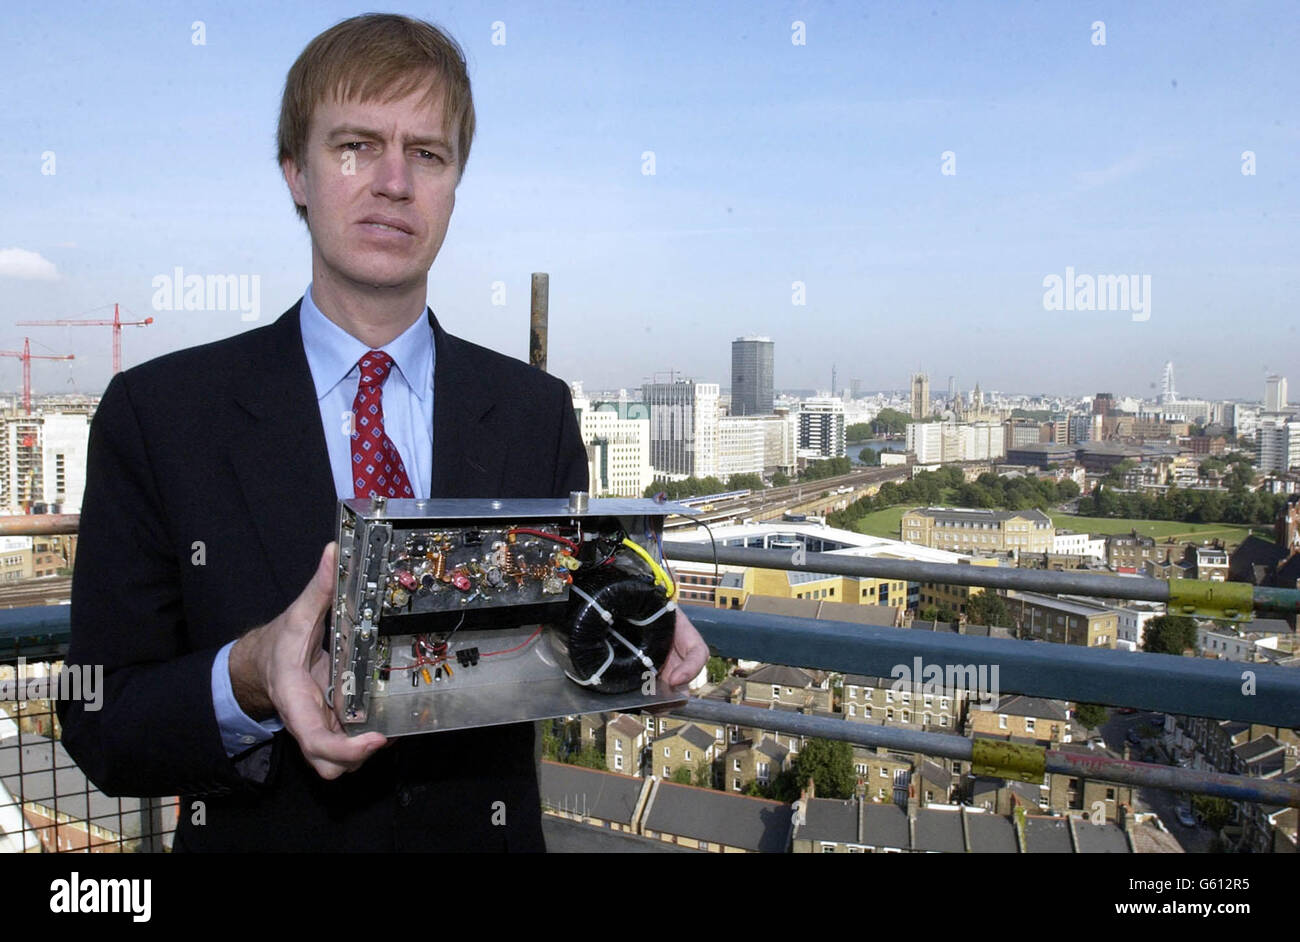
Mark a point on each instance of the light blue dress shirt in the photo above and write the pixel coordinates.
(332, 356)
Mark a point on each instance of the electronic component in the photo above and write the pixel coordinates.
(459, 613)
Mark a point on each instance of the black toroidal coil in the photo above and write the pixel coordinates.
(591, 639)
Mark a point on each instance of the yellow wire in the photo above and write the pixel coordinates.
(661, 574)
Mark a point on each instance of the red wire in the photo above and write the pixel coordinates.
(549, 536)
(523, 643)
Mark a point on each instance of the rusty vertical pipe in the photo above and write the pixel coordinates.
(538, 321)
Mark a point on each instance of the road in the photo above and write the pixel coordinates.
(1194, 840)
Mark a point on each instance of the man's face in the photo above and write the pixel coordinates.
(379, 183)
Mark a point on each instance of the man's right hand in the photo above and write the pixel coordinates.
(281, 670)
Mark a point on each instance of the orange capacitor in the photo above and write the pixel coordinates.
(424, 671)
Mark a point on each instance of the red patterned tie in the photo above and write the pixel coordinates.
(377, 468)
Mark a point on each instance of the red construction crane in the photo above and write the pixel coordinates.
(27, 356)
(116, 323)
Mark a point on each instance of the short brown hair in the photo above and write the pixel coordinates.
(375, 57)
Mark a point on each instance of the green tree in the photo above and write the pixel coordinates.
(1216, 812)
(785, 787)
(550, 741)
(780, 479)
(858, 432)
(682, 775)
(739, 482)
(827, 468)
(704, 773)
(1116, 474)
(890, 422)
(590, 757)
(1169, 634)
(1090, 715)
(937, 613)
(988, 608)
(717, 669)
(829, 763)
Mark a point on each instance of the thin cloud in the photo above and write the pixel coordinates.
(29, 266)
(1126, 166)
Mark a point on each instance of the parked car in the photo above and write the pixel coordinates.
(1185, 816)
(1127, 711)
(1134, 737)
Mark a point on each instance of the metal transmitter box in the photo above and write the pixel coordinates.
(460, 613)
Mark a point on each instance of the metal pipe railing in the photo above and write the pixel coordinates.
(1183, 596)
(1251, 693)
(39, 524)
(977, 750)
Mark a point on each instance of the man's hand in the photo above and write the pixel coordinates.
(688, 654)
(281, 669)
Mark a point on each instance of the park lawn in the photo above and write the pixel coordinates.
(1230, 533)
(886, 523)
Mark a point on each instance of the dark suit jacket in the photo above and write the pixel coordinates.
(209, 498)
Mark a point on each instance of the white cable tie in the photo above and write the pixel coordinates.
(638, 653)
(609, 619)
(598, 675)
(642, 622)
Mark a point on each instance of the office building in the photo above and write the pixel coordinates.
(751, 376)
(821, 427)
(683, 427)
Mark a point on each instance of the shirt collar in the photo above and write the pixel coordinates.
(332, 353)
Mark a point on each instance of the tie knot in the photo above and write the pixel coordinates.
(375, 367)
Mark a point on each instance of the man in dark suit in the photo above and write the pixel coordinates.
(213, 474)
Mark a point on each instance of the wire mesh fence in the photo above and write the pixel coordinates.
(47, 805)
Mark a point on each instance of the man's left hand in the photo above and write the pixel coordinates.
(688, 654)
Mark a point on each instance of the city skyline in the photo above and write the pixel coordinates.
(799, 191)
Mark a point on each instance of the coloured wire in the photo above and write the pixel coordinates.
(661, 576)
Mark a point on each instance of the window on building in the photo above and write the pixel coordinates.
(1002, 721)
(618, 743)
(618, 763)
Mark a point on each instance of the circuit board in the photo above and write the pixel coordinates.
(458, 613)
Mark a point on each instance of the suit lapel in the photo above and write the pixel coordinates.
(468, 440)
(283, 465)
(281, 459)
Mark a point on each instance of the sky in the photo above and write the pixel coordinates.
(880, 186)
